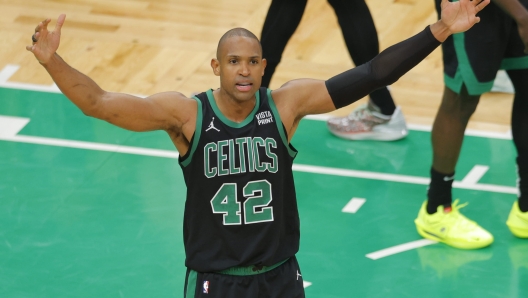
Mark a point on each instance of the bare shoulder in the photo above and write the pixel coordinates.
(299, 98)
(177, 105)
(303, 97)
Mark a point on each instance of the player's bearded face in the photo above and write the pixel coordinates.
(241, 67)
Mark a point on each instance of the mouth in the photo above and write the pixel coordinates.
(244, 87)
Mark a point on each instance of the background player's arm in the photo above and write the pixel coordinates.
(303, 97)
(165, 111)
(519, 13)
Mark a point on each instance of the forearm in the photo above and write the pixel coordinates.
(384, 69)
(514, 9)
(77, 87)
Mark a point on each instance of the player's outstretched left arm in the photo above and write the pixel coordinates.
(167, 111)
(303, 97)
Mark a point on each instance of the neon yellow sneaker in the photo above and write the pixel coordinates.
(452, 228)
(518, 221)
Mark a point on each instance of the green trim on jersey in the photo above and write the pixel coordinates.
(278, 122)
(224, 119)
(514, 63)
(465, 75)
(191, 284)
(197, 133)
(250, 270)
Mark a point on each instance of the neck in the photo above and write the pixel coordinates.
(234, 109)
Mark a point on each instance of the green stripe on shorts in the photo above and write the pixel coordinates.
(465, 75)
(191, 284)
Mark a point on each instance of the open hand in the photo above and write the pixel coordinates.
(46, 43)
(462, 15)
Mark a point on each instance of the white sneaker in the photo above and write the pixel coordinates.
(365, 123)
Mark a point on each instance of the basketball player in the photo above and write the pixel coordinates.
(471, 61)
(241, 225)
(380, 119)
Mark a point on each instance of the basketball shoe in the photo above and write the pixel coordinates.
(368, 123)
(449, 226)
(518, 221)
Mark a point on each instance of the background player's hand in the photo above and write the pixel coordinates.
(46, 43)
(462, 15)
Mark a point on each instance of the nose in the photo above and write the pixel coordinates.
(244, 69)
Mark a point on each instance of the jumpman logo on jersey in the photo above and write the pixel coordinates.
(211, 126)
(298, 275)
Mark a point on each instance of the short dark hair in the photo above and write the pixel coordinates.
(236, 32)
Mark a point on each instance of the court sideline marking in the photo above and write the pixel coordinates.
(399, 248)
(354, 205)
(16, 124)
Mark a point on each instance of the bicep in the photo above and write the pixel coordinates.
(307, 96)
(161, 111)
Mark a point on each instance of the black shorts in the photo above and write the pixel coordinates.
(472, 58)
(285, 280)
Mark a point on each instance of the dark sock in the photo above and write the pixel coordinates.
(439, 192)
(383, 100)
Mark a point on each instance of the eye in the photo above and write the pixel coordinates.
(254, 62)
(232, 61)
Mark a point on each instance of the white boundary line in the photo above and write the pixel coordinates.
(475, 174)
(8, 71)
(91, 146)
(295, 167)
(399, 248)
(353, 205)
(12, 125)
(398, 178)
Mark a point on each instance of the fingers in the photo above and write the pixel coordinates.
(60, 22)
(480, 6)
(44, 24)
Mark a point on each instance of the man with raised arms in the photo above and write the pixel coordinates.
(241, 225)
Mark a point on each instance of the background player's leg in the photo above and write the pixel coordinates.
(447, 136)
(380, 119)
(281, 22)
(519, 131)
(361, 39)
(438, 220)
(518, 218)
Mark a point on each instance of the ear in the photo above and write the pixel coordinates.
(264, 63)
(215, 65)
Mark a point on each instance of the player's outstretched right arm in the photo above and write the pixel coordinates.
(164, 111)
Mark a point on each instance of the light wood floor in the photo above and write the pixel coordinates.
(148, 46)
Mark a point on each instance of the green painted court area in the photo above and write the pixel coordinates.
(92, 222)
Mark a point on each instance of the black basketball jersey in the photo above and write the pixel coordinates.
(241, 207)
